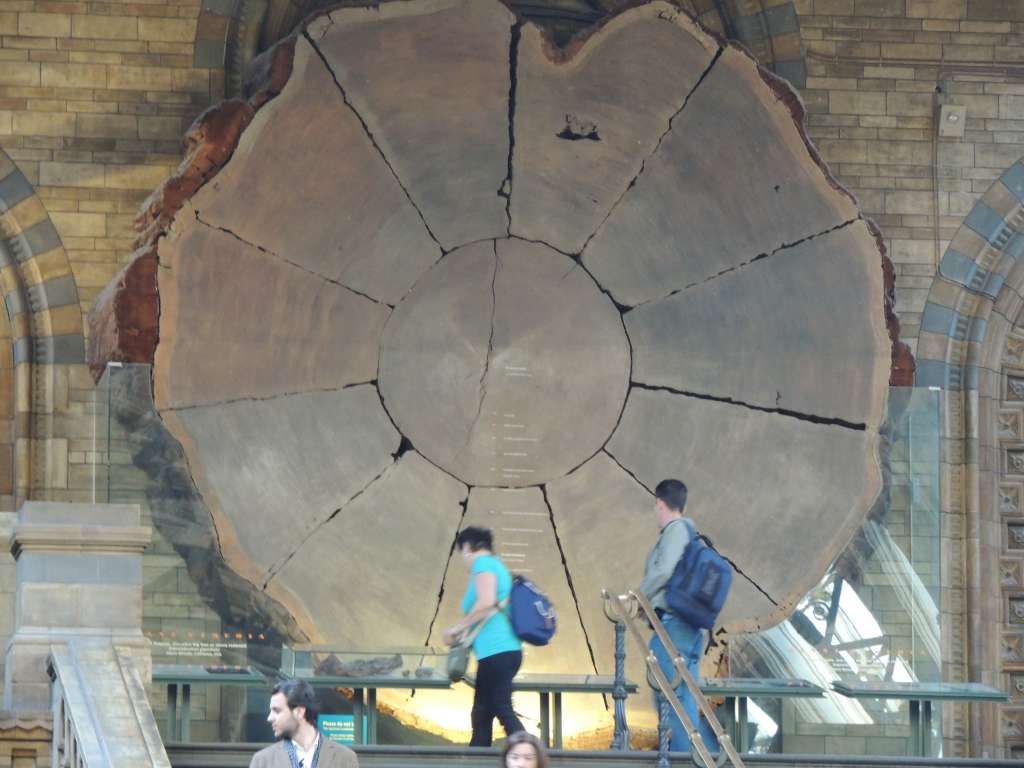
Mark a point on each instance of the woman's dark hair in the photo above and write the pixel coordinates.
(477, 538)
(522, 737)
(299, 693)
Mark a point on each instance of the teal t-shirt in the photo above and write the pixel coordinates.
(496, 636)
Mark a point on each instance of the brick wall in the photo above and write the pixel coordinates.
(874, 67)
(94, 97)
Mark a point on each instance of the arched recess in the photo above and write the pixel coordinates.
(46, 336)
(231, 33)
(966, 349)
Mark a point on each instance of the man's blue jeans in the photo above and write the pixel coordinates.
(689, 641)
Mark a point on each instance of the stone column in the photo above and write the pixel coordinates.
(79, 575)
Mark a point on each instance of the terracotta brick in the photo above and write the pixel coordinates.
(167, 30)
(105, 27)
(74, 75)
(937, 9)
(44, 24)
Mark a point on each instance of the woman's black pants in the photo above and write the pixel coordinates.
(493, 696)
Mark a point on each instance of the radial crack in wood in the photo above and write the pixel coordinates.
(430, 80)
(733, 179)
(769, 490)
(302, 151)
(584, 125)
(830, 364)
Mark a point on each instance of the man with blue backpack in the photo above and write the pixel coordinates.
(676, 574)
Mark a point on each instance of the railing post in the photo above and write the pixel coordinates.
(619, 692)
(664, 731)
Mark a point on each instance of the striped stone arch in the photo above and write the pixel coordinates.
(969, 348)
(42, 335)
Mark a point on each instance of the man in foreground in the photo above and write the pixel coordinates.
(674, 535)
(293, 716)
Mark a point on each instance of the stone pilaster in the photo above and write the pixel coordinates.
(79, 574)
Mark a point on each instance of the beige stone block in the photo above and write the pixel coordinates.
(889, 73)
(1011, 107)
(6, 122)
(937, 9)
(842, 150)
(955, 155)
(833, 7)
(96, 275)
(912, 251)
(904, 103)
(108, 126)
(160, 128)
(53, 174)
(44, 123)
(856, 102)
(105, 27)
(978, 105)
(967, 52)
(154, 78)
(900, 152)
(145, 177)
(8, 23)
(167, 30)
(19, 73)
(999, 156)
(74, 75)
(44, 24)
(915, 51)
(908, 202)
(80, 224)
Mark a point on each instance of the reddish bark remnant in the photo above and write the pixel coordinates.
(209, 143)
(901, 374)
(269, 72)
(124, 319)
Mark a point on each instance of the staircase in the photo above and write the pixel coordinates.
(101, 716)
(381, 756)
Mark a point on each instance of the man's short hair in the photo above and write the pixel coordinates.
(299, 693)
(673, 493)
(477, 538)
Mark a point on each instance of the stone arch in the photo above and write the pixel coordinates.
(966, 349)
(46, 333)
(230, 33)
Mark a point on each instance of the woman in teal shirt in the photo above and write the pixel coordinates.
(498, 651)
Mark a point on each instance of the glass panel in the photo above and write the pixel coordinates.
(875, 614)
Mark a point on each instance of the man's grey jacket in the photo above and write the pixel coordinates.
(332, 755)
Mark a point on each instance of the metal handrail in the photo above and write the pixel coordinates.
(628, 615)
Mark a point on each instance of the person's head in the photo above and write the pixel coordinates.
(524, 750)
(292, 703)
(473, 542)
(669, 501)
